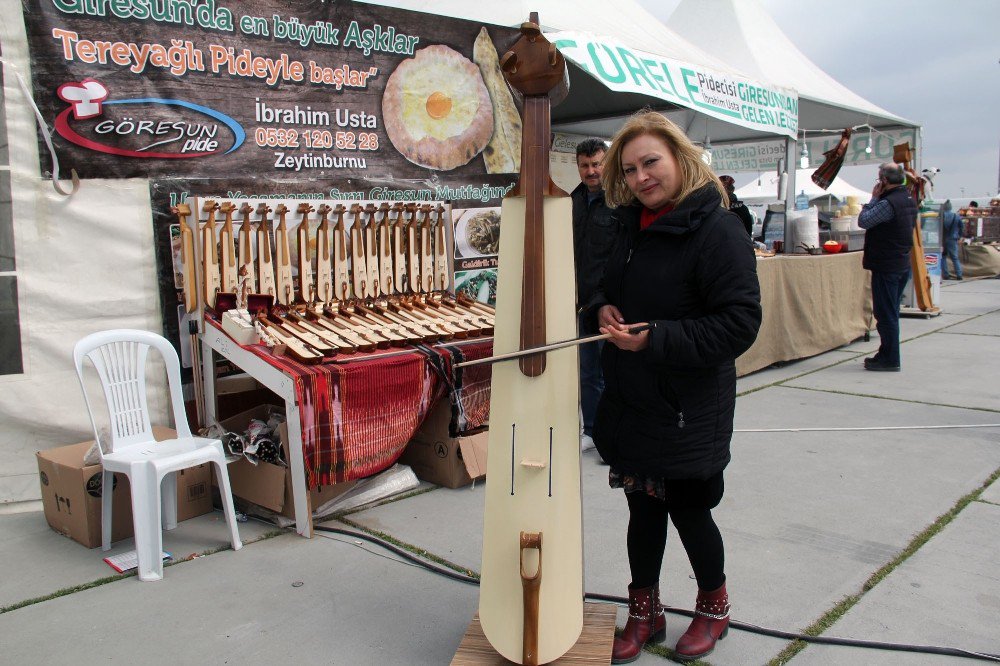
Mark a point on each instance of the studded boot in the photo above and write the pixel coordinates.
(646, 624)
(710, 624)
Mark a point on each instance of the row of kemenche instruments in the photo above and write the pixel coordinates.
(364, 275)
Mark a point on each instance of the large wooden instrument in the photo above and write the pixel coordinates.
(306, 287)
(901, 154)
(246, 234)
(210, 278)
(387, 280)
(371, 252)
(531, 594)
(228, 268)
(182, 211)
(265, 258)
(282, 258)
(324, 259)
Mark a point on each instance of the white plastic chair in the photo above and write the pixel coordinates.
(119, 356)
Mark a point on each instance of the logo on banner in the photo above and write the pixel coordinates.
(143, 127)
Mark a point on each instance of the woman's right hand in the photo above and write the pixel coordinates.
(609, 316)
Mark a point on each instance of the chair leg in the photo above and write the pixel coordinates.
(168, 500)
(146, 521)
(227, 503)
(107, 499)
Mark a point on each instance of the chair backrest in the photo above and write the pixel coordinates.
(119, 356)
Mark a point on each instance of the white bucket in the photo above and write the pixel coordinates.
(840, 224)
(845, 223)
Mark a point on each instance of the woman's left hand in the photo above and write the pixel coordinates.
(621, 338)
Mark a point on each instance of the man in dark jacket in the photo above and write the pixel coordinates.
(951, 234)
(888, 220)
(595, 232)
(737, 206)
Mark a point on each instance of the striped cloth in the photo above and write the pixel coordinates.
(357, 416)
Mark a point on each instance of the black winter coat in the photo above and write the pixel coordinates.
(888, 245)
(668, 410)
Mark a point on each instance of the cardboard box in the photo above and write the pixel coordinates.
(71, 493)
(437, 457)
(238, 393)
(267, 485)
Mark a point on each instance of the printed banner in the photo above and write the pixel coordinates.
(721, 95)
(764, 155)
(286, 90)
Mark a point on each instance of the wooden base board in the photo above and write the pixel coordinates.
(593, 647)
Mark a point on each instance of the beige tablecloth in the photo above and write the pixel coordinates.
(811, 304)
(979, 260)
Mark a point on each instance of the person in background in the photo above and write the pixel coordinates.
(595, 232)
(973, 204)
(888, 220)
(665, 420)
(737, 206)
(951, 230)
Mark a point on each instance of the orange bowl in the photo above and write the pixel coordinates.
(832, 247)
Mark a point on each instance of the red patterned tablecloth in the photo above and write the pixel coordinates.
(359, 412)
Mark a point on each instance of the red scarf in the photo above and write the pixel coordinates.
(647, 217)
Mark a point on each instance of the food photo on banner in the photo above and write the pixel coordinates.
(477, 242)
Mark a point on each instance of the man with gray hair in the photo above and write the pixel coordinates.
(888, 220)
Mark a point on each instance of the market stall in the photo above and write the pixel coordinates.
(259, 105)
(348, 419)
(811, 304)
(982, 223)
(305, 103)
(980, 259)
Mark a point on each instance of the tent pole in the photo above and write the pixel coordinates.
(690, 124)
(791, 166)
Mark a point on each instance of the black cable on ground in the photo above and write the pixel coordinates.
(752, 628)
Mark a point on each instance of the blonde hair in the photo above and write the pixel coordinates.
(695, 174)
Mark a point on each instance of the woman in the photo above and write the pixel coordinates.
(686, 266)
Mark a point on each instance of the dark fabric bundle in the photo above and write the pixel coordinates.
(830, 167)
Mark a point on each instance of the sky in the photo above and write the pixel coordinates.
(946, 77)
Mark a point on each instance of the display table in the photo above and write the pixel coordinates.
(979, 260)
(352, 418)
(811, 303)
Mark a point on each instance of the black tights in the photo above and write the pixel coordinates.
(647, 537)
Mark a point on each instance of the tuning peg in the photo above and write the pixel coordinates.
(553, 55)
(508, 62)
(530, 30)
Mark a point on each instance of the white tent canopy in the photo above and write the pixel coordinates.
(591, 108)
(767, 190)
(741, 31)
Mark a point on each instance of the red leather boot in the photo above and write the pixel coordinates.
(710, 624)
(646, 624)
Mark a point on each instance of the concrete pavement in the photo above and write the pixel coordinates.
(809, 517)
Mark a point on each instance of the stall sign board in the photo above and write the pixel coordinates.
(285, 90)
(722, 95)
(764, 155)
